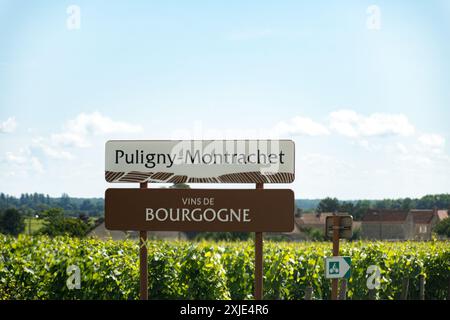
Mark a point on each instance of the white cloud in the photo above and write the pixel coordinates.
(50, 151)
(70, 139)
(16, 158)
(36, 165)
(349, 124)
(77, 132)
(365, 144)
(24, 160)
(402, 148)
(300, 126)
(8, 126)
(432, 140)
(354, 125)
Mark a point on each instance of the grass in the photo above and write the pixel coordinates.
(33, 225)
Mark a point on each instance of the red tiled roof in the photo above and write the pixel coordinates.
(313, 218)
(442, 214)
(383, 215)
(422, 216)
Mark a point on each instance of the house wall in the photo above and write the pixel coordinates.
(389, 231)
(406, 230)
(422, 236)
(428, 234)
(409, 228)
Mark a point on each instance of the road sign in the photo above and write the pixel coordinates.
(337, 267)
(200, 161)
(345, 226)
(243, 210)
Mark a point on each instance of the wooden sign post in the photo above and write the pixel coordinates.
(143, 256)
(334, 282)
(337, 226)
(259, 261)
(200, 161)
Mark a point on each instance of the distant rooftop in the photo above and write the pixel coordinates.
(384, 215)
(422, 216)
(442, 214)
(389, 215)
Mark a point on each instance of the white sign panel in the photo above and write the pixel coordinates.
(337, 267)
(200, 161)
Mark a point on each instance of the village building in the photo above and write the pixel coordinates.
(423, 221)
(386, 224)
(317, 221)
(412, 224)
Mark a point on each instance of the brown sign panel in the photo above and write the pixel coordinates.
(345, 227)
(245, 210)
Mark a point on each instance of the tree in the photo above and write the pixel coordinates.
(56, 224)
(87, 206)
(298, 212)
(314, 234)
(356, 234)
(99, 208)
(328, 205)
(64, 201)
(407, 204)
(83, 217)
(360, 209)
(11, 222)
(443, 228)
(347, 206)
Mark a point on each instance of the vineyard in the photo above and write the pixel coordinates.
(36, 268)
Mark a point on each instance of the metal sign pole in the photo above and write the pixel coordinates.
(143, 266)
(335, 282)
(259, 259)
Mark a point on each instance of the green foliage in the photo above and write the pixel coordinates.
(358, 208)
(328, 205)
(307, 205)
(223, 236)
(33, 225)
(314, 234)
(32, 203)
(443, 228)
(11, 222)
(35, 268)
(356, 234)
(203, 274)
(56, 224)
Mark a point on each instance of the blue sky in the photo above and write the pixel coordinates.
(368, 108)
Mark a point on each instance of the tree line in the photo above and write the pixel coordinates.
(359, 207)
(32, 203)
(67, 215)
